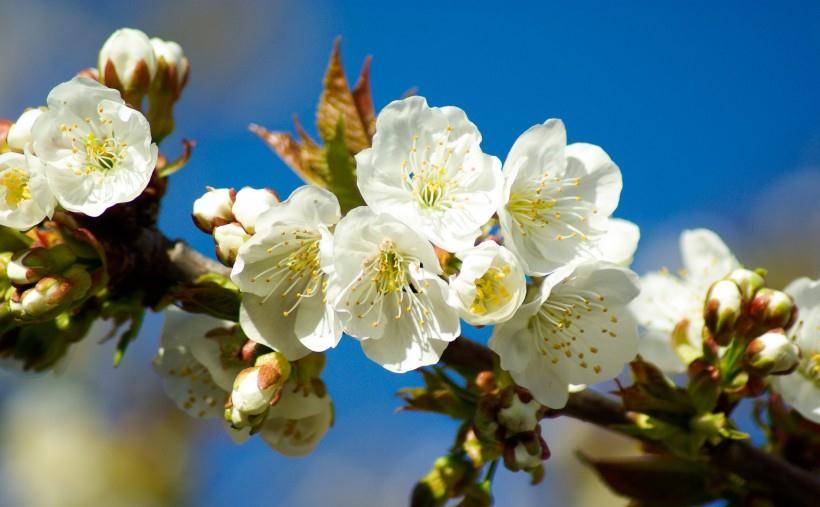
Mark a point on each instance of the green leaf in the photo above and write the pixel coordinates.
(342, 171)
(211, 294)
(653, 392)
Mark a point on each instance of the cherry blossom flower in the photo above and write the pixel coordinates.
(576, 329)
(426, 169)
(390, 295)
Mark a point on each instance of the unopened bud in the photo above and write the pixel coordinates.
(250, 203)
(228, 239)
(525, 451)
(445, 480)
(771, 309)
(748, 281)
(172, 65)
(772, 353)
(170, 79)
(519, 411)
(49, 296)
(254, 388)
(19, 134)
(722, 309)
(127, 63)
(214, 208)
(30, 265)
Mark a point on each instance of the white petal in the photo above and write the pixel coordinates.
(705, 257)
(263, 322)
(620, 241)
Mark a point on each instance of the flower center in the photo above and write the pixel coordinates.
(297, 273)
(490, 292)
(543, 205)
(102, 154)
(391, 272)
(15, 181)
(565, 323)
(428, 174)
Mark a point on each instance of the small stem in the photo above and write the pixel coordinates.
(488, 477)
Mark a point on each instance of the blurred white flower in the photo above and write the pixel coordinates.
(283, 272)
(490, 285)
(297, 422)
(667, 301)
(558, 199)
(575, 330)
(19, 134)
(250, 203)
(25, 199)
(801, 389)
(390, 295)
(426, 169)
(127, 61)
(194, 374)
(97, 151)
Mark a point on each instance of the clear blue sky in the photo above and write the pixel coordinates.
(705, 106)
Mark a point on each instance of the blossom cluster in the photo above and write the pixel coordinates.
(715, 293)
(447, 233)
(91, 147)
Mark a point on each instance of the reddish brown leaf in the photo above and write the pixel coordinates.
(337, 103)
(363, 97)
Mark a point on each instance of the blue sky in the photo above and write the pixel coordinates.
(711, 111)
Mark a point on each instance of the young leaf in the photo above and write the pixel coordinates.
(337, 104)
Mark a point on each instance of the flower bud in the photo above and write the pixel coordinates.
(46, 298)
(172, 66)
(772, 353)
(445, 480)
(19, 134)
(519, 411)
(229, 238)
(214, 208)
(30, 265)
(722, 309)
(127, 63)
(771, 309)
(254, 388)
(748, 281)
(250, 203)
(525, 451)
(170, 79)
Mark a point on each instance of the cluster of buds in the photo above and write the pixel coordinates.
(231, 217)
(255, 389)
(507, 419)
(42, 282)
(137, 66)
(740, 309)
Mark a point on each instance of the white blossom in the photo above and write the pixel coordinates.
(284, 271)
(390, 295)
(297, 422)
(19, 134)
(194, 374)
(426, 169)
(25, 198)
(801, 389)
(250, 203)
(558, 199)
(490, 285)
(575, 330)
(97, 151)
(667, 301)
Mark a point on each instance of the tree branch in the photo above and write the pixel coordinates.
(790, 483)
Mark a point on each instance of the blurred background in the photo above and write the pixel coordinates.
(712, 111)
